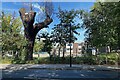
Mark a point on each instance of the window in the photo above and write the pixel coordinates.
(79, 49)
(69, 45)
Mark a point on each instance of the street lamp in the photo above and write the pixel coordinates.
(70, 46)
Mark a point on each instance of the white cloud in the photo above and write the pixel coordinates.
(44, 30)
(37, 6)
(40, 16)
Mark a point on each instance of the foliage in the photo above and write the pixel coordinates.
(38, 46)
(12, 38)
(112, 59)
(61, 31)
(102, 24)
(6, 60)
(65, 31)
(47, 42)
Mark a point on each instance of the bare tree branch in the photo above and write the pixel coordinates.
(43, 24)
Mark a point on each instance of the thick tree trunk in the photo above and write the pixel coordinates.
(29, 49)
(30, 30)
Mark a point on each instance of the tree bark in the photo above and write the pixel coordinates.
(30, 30)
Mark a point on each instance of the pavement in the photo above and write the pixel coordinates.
(58, 67)
(59, 71)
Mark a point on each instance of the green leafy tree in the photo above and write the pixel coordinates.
(102, 24)
(61, 31)
(47, 43)
(12, 39)
(38, 46)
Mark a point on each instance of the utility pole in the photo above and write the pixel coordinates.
(70, 47)
(69, 25)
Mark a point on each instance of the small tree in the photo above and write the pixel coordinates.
(12, 39)
(47, 43)
(61, 31)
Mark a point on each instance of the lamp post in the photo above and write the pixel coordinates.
(70, 46)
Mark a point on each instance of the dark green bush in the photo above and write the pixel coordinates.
(111, 58)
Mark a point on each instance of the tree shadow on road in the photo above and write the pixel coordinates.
(23, 72)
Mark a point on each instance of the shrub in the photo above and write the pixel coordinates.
(6, 60)
(111, 58)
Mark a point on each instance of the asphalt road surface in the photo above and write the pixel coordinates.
(44, 74)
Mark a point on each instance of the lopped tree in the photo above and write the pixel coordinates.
(30, 30)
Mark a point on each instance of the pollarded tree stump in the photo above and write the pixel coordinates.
(30, 30)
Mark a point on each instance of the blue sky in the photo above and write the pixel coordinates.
(10, 7)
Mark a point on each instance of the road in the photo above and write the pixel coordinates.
(57, 72)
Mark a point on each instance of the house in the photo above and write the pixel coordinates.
(76, 48)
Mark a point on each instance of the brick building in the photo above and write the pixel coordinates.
(76, 48)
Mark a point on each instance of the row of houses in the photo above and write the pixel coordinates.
(77, 49)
